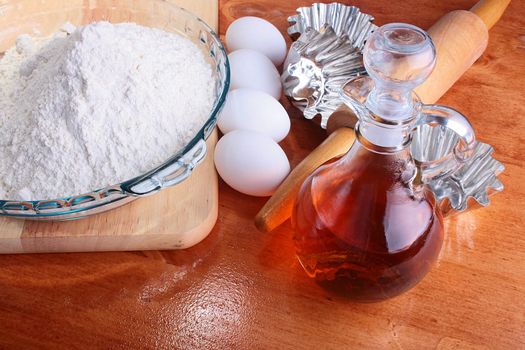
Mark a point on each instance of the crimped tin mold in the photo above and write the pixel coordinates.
(317, 66)
(344, 19)
(472, 183)
(325, 56)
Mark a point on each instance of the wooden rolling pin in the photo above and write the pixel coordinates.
(460, 38)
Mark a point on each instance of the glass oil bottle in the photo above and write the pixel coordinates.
(366, 225)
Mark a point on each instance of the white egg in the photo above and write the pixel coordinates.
(251, 69)
(257, 34)
(247, 109)
(251, 163)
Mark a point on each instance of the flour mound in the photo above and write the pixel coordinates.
(94, 107)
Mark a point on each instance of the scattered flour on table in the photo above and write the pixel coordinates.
(96, 105)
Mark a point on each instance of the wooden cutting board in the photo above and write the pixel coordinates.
(174, 218)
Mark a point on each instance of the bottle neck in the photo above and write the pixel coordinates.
(383, 138)
(392, 104)
(387, 118)
(371, 136)
(387, 112)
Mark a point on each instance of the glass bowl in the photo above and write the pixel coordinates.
(46, 17)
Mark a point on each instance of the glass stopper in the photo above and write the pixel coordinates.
(399, 54)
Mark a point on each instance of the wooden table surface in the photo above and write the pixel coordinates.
(243, 289)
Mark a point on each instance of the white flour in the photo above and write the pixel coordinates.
(105, 104)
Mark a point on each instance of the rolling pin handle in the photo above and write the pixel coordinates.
(490, 11)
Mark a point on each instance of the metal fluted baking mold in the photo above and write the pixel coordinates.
(476, 179)
(344, 19)
(326, 55)
(317, 66)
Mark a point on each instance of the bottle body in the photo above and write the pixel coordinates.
(363, 228)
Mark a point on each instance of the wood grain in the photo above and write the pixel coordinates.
(245, 290)
(460, 38)
(175, 218)
(205, 9)
(490, 11)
